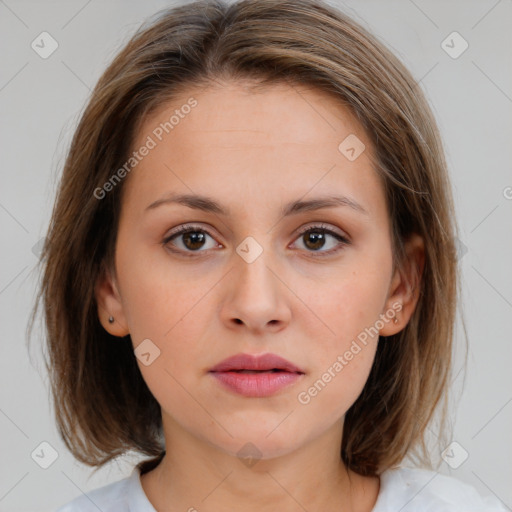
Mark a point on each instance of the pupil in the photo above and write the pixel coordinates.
(316, 238)
(193, 240)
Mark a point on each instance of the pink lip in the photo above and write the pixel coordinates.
(266, 382)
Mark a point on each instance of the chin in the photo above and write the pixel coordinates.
(253, 442)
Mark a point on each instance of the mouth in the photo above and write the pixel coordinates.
(256, 364)
(256, 376)
(273, 370)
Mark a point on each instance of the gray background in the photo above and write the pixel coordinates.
(40, 100)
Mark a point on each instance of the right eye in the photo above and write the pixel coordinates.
(189, 239)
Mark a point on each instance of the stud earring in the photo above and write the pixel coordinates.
(110, 319)
(395, 320)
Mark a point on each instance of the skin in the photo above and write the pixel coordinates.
(253, 152)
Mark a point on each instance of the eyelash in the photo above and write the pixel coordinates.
(190, 228)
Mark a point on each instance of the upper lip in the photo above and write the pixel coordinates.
(259, 362)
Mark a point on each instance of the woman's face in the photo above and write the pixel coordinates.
(259, 169)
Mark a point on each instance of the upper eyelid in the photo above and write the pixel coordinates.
(323, 226)
(184, 228)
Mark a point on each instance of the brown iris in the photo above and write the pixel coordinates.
(314, 239)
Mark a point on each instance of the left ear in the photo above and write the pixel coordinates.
(404, 290)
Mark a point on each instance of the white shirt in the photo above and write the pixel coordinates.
(401, 490)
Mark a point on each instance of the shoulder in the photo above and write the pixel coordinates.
(126, 495)
(422, 490)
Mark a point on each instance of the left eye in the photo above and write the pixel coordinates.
(316, 238)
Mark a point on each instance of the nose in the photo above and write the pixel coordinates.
(256, 297)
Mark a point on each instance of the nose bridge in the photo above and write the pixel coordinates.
(252, 273)
(255, 296)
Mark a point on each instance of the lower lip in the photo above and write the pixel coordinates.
(256, 384)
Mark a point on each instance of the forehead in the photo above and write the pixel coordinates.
(228, 111)
(273, 140)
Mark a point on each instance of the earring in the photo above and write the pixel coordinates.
(110, 319)
(395, 320)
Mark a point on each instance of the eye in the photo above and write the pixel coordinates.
(189, 238)
(322, 240)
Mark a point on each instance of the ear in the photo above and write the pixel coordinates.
(110, 305)
(405, 287)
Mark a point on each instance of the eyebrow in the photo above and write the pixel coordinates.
(207, 204)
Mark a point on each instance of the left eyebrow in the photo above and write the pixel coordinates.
(323, 202)
(207, 204)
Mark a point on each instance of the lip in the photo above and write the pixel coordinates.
(274, 374)
(259, 362)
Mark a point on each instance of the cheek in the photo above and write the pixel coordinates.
(172, 322)
(158, 299)
(341, 369)
(351, 306)
(344, 354)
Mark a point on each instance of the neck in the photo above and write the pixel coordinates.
(194, 475)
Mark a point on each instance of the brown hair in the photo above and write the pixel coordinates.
(102, 404)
